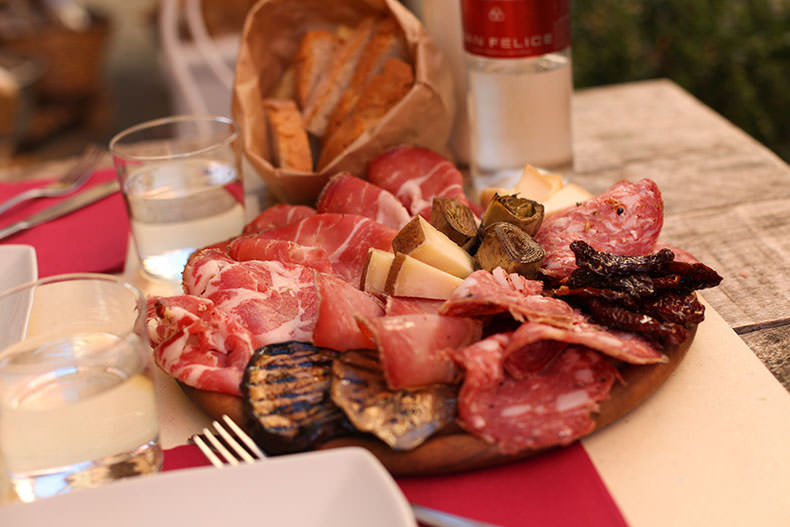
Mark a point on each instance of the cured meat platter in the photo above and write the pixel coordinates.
(457, 451)
(441, 334)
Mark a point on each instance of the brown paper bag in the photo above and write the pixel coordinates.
(269, 41)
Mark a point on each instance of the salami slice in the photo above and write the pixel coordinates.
(625, 220)
(346, 239)
(417, 175)
(554, 406)
(347, 194)
(483, 293)
(278, 215)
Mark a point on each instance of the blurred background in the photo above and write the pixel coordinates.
(73, 71)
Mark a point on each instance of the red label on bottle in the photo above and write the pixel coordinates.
(515, 28)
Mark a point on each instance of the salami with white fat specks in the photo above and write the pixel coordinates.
(625, 220)
(554, 406)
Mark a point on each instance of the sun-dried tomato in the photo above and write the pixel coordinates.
(671, 307)
(694, 275)
(607, 264)
(665, 333)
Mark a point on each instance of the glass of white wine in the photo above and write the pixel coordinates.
(180, 178)
(77, 402)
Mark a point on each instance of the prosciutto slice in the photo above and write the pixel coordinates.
(197, 343)
(625, 220)
(345, 193)
(339, 304)
(417, 175)
(345, 238)
(416, 350)
(401, 305)
(255, 247)
(552, 407)
(621, 345)
(278, 216)
(483, 293)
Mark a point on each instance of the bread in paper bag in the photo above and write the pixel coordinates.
(368, 116)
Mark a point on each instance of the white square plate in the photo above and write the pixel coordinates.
(17, 266)
(344, 487)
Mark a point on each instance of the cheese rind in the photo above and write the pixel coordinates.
(421, 240)
(413, 278)
(377, 268)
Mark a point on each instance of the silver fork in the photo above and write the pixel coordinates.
(72, 179)
(225, 448)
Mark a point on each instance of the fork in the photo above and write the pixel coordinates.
(74, 178)
(231, 445)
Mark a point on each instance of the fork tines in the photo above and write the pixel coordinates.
(229, 445)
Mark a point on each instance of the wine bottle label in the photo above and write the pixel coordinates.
(515, 28)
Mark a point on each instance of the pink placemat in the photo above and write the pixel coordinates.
(557, 489)
(92, 239)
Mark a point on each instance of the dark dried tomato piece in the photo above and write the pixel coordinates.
(694, 275)
(665, 333)
(607, 264)
(671, 307)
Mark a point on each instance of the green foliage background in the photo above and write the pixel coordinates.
(734, 55)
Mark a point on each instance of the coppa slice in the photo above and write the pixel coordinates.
(278, 216)
(416, 350)
(254, 247)
(625, 220)
(552, 407)
(347, 194)
(345, 237)
(417, 175)
(198, 344)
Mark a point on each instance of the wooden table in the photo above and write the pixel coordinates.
(727, 198)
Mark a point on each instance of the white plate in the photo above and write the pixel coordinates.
(17, 266)
(344, 487)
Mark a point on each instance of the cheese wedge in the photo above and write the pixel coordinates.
(377, 268)
(421, 240)
(569, 196)
(534, 185)
(411, 277)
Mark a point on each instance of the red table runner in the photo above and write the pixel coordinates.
(92, 239)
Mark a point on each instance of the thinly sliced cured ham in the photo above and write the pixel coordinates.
(417, 175)
(347, 194)
(197, 343)
(403, 305)
(278, 215)
(552, 407)
(339, 304)
(621, 345)
(416, 350)
(346, 239)
(254, 247)
(484, 293)
(625, 220)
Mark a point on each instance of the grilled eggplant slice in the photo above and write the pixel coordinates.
(286, 397)
(402, 418)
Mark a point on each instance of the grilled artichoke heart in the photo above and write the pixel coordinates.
(521, 212)
(505, 245)
(455, 220)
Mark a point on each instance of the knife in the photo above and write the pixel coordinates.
(88, 196)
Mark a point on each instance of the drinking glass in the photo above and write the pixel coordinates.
(77, 403)
(180, 178)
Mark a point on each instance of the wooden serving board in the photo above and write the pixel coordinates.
(458, 451)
